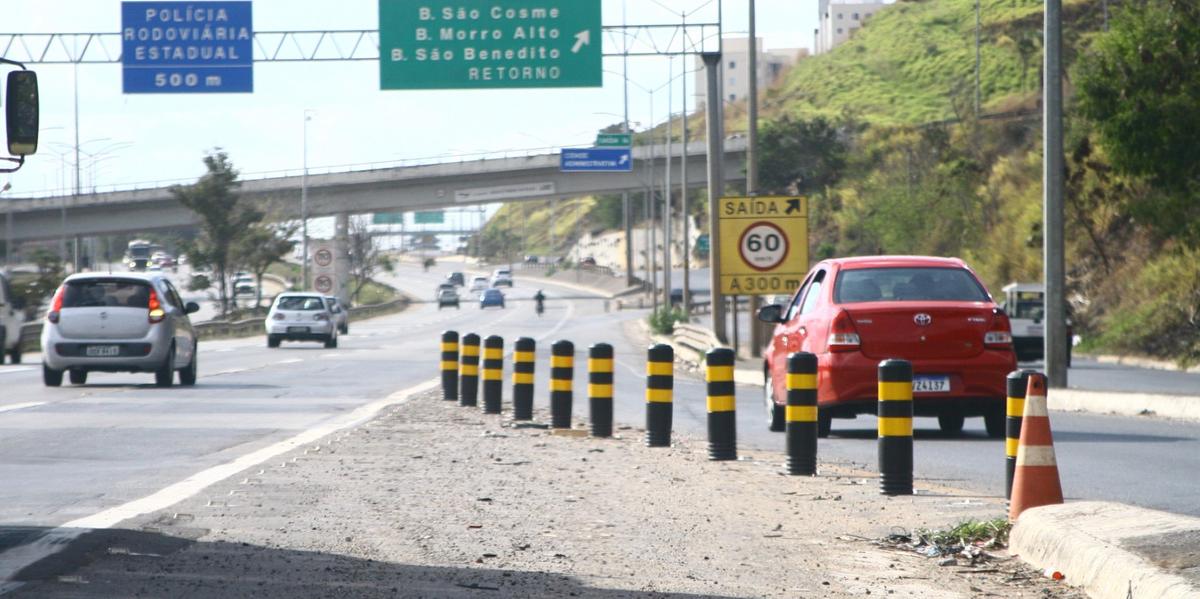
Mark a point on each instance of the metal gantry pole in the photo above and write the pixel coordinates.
(625, 204)
(683, 196)
(756, 329)
(712, 64)
(304, 204)
(666, 287)
(1053, 244)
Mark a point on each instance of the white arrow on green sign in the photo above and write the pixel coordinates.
(489, 44)
(614, 140)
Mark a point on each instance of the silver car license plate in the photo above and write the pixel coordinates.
(297, 329)
(931, 384)
(103, 351)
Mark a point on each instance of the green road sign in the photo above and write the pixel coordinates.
(387, 218)
(436, 217)
(489, 44)
(614, 140)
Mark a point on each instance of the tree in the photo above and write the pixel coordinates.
(1139, 88)
(798, 156)
(224, 219)
(262, 246)
(366, 258)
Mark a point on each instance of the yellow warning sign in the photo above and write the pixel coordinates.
(764, 244)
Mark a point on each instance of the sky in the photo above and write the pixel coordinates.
(145, 138)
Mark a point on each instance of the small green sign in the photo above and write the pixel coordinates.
(489, 44)
(614, 140)
(387, 218)
(429, 218)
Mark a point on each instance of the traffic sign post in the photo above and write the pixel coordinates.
(187, 47)
(615, 160)
(614, 140)
(488, 44)
(764, 244)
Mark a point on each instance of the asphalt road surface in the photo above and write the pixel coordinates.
(75, 451)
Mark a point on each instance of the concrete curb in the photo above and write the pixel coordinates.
(1148, 363)
(1125, 404)
(1113, 551)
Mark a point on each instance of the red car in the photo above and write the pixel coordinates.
(855, 312)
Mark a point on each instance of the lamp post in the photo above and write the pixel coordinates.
(304, 202)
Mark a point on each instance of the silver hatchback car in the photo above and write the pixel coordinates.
(301, 316)
(128, 322)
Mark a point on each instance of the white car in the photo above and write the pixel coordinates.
(478, 284)
(128, 322)
(502, 276)
(12, 316)
(300, 316)
(341, 315)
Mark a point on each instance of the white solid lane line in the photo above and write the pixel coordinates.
(12, 370)
(291, 361)
(57, 539)
(21, 406)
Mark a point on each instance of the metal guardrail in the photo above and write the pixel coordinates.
(215, 329)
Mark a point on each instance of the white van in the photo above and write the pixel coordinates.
(12, 316)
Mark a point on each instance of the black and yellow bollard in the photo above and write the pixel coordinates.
(895, 428)
(562, 375)
(722, 414)
(493, 373)
(660, 384)
(522, 378)
(1016, 382)
(600, 389)
(468, 388)
(802, 414)
(450, 366)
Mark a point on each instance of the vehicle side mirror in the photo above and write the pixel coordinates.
(21, 101)
(772, 314)
(191, 307)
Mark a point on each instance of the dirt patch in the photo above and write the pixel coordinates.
(434, 500)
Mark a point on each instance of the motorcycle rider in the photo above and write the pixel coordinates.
(540, 298)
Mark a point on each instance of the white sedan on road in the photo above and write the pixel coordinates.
(299, 316)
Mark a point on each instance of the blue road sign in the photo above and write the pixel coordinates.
(187, 47)
(617, 160)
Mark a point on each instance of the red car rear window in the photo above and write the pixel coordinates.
(908, 284)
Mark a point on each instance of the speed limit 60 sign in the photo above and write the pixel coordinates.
(764, 244)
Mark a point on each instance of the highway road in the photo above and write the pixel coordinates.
(76, 451)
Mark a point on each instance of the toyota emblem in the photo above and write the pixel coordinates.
(923, 319)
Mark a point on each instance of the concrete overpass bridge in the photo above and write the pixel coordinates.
(404, 188)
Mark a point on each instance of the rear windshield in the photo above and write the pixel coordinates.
(907, 284)
(98, 293)
(301, 303)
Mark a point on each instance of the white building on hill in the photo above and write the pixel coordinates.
(735, 69)
(839, 19)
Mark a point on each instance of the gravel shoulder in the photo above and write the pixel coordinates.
(433, 500)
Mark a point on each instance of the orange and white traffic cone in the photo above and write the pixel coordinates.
(1036, 479)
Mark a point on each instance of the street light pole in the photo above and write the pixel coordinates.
(304, 204)
(1055, 349)
(756, 329)
(683, 192)
(666, 288)
(625, 205)
(8, 231)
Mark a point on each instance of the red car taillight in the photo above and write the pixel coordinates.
(56, 305)
(999, 336)
(842, 334)
(156, 313)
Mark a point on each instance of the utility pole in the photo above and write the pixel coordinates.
(756, 330)
(1052, 185)
(978, 101)
(712, 66)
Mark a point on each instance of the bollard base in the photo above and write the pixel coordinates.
(896, 486)
(468, 392)
(719, 453)
(658, 440)
(523, 409)
(601, 414)
(802, 467)
(560, 412)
